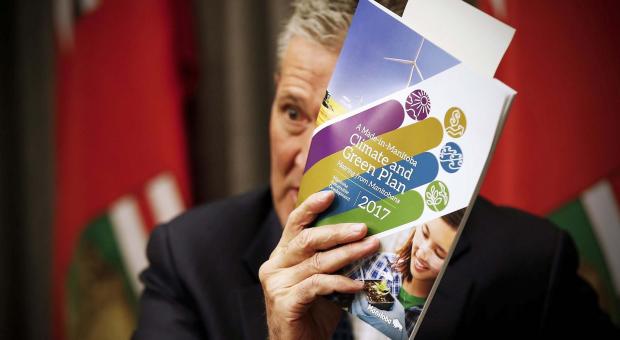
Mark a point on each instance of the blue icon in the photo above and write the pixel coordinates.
(451, 157)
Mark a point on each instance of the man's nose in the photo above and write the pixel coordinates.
(302, 155)
(300, 158)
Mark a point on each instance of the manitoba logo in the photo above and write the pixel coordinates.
(382, 316)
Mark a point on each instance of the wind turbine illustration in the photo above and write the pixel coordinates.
(413, 63)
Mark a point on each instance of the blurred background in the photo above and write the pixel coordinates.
(118, 115)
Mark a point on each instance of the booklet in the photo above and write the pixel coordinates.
(405, 132)
(474, 37)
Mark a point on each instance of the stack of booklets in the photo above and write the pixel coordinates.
(404, 134)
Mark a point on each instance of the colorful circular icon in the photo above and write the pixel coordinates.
(418, 105)
(437, 196)
(455, 122)
(451, 157)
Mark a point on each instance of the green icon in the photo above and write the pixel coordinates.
(437, 196)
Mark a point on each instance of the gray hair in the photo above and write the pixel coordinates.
(324, 21)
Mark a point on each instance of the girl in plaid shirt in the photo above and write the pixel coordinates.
(411, 272)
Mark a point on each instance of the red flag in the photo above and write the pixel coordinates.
(558, 155)
(120, 147)
(561, 134)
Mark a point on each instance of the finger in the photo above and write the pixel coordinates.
(310, 289)
(332, 260)
(304, 214)
(311, 240)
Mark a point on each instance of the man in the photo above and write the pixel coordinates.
(248, 267)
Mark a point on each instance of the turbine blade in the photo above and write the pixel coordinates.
(419, 72)
(402, 61)
(419, 49)
(410, 75)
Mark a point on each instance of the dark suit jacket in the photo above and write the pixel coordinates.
(512, 275)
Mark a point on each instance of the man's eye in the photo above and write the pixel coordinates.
(293, 113)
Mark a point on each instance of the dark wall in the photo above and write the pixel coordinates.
(7, 207)
(26, 171)
(228, 129)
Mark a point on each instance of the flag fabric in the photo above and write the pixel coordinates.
(558, 152)
(593, 219)
(102, 284)
(120, 148)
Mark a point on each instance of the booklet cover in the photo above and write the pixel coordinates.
(380, 56)
(405, 133)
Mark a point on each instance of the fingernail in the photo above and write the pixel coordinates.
(356, 228)
(369, 242)
(325, 195)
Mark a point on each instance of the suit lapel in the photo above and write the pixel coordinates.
(447, 308)
(263, 244)
(250, 299)
(251, 305)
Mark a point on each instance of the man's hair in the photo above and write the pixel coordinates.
(324, 21)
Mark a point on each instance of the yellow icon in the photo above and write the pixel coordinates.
(455, 122)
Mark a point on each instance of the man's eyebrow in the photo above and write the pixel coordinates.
(288, 96)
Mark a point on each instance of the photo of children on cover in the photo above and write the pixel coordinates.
(398, 280)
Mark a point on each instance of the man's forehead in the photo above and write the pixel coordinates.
(320, 53)
(306, 66)
(304, 55)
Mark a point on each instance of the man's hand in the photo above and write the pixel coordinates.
(300, 269)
